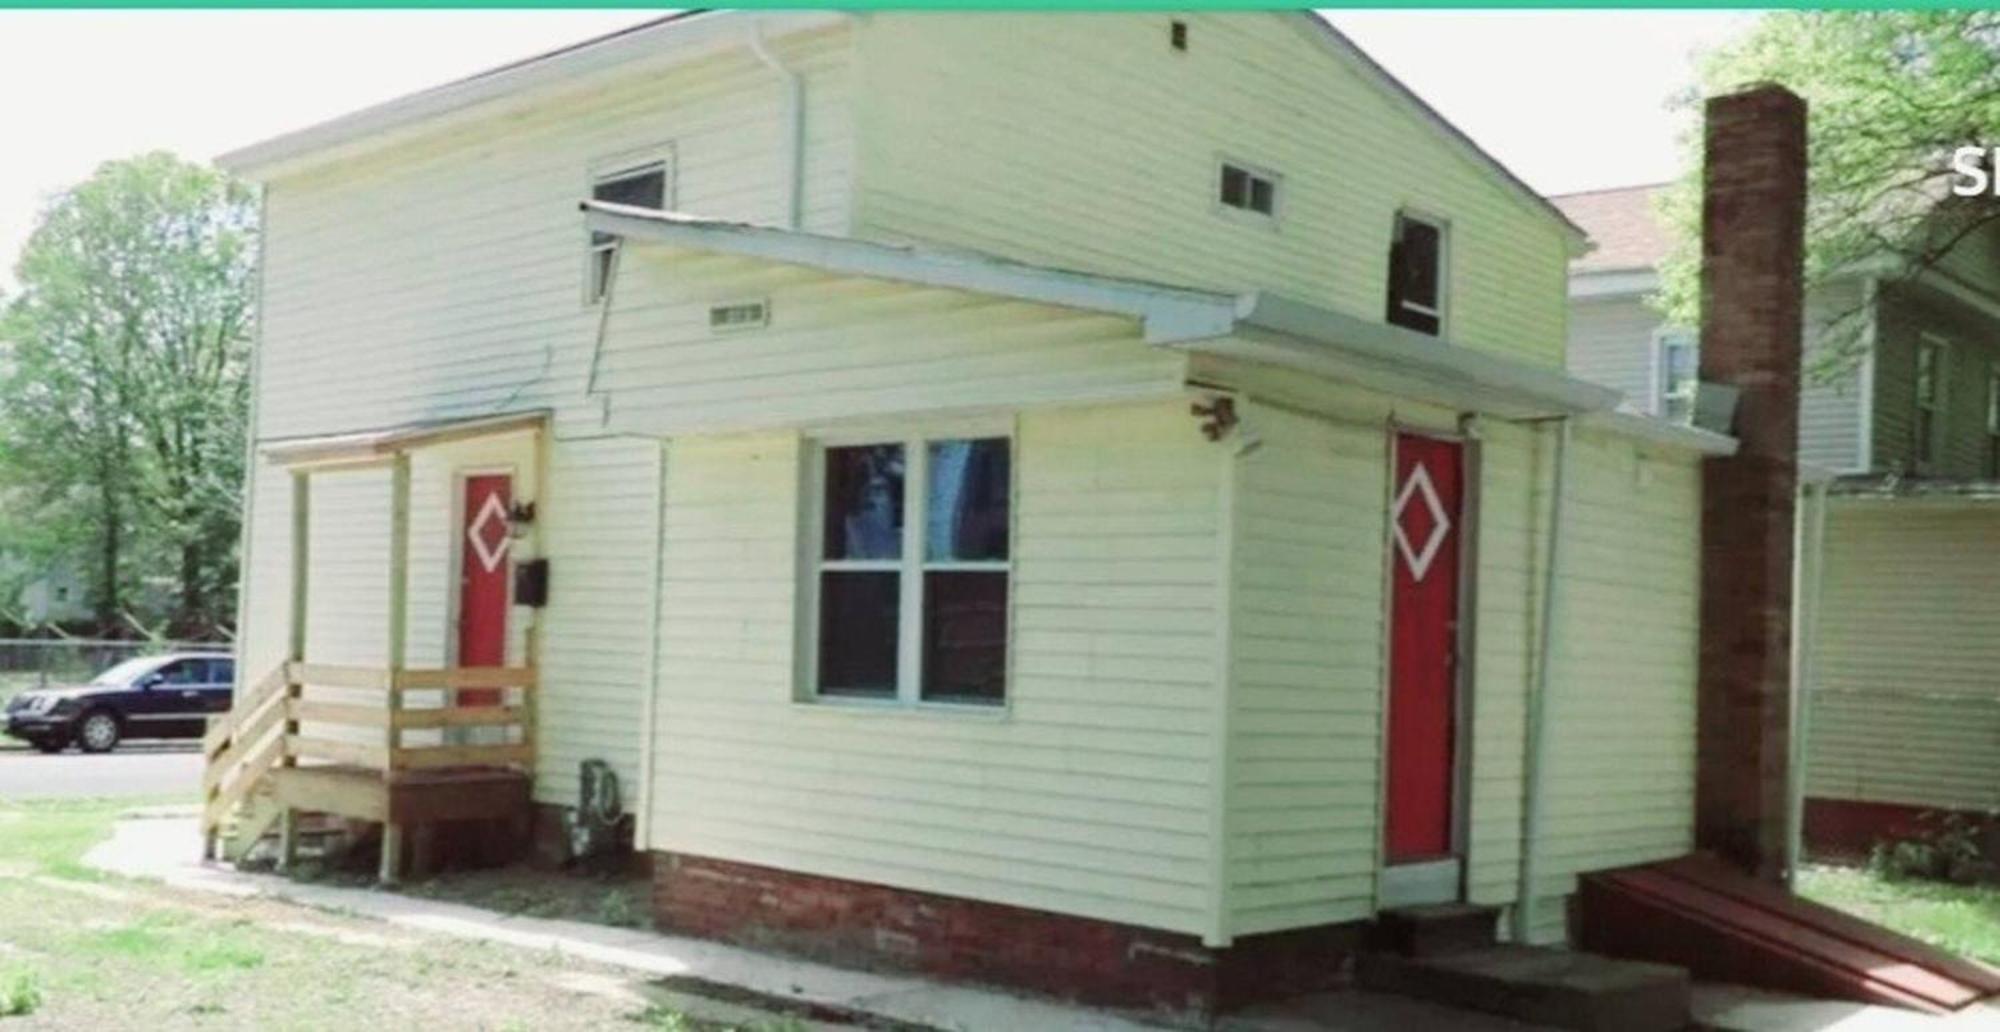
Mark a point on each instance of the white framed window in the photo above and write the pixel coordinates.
(1927, 422)
(1676, 365)
(1417, 263)
(641, 181)
(910, 547)
(1993, 421)
(1243, 187)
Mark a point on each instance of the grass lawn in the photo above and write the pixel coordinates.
(81, 950)
(1961, 918)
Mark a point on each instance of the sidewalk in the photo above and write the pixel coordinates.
(165, 846)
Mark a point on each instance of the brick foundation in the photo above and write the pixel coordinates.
(1847, 830)
(857, 924)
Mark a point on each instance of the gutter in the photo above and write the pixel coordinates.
(1534, 748)
(795, 123)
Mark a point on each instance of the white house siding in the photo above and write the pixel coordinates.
(1308, 650)
(1908, 315)
(445, 274)
(1611, 342)
(838, 346)
(1905, 705)
(1088, 142)
(1089, 794)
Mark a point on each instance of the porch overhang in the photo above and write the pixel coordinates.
(1252, 327)
(367, 447)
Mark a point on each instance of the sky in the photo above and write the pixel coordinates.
(1569, 101)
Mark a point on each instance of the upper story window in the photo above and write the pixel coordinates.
(641, 186)
(1928, 420)
(1993, 421)
(1674, 375)
(1247, 188)
(911, 570)
(1416, 274)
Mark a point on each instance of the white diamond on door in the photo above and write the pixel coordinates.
(488, 534)
(1418, 486)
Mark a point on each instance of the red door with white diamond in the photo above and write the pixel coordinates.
(1425, 526)
(482, 580)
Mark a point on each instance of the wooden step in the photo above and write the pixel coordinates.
(1540, 985)
(1431, 931)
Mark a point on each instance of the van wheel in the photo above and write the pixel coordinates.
(98, 733)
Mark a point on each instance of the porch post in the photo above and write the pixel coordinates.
(399, 570)
(295, 650)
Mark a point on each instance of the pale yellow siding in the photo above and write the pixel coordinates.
(840, 346)
(1309, 653)
(1905, 706)
(1089, 794)
(445, 274)
(1087, 142)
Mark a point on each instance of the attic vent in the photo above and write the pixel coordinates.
(1177, 34)
(739, 315)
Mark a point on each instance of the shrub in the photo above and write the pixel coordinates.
(20, 995)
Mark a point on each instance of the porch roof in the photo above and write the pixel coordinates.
(363, 446)
(1254, 326)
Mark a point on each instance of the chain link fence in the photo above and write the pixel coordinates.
(27, 663)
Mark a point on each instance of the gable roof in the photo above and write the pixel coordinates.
(1623, 225)
(690, 29)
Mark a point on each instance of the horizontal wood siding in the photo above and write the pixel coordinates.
(602, 517)
(1906, 697)
(1307, 677)
(1089, 794)
(838, 347)
(1611, 343)
(1090, 143)
(445, 275)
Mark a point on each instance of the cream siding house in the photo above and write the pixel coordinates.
(893, 243)
(1910, 435)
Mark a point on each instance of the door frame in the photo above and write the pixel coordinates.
(1465, 433)
(455, 563)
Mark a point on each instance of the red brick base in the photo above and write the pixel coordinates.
(1843, 829)
(857, 924)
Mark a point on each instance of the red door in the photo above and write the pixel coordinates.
(484, 570)
(1423, 643)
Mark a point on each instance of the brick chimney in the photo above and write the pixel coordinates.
(1752, 246)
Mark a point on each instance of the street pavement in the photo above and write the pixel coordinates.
(140, 768)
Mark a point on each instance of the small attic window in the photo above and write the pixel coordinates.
(1248, 189)
(640, 186)
(1177, 34)
(1416, 275)
(739, 315)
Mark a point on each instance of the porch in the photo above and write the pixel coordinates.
(408, 747)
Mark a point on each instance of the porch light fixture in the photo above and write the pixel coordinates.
(520, 516)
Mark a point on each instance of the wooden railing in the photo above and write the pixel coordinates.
(359, 716)
(369, 711)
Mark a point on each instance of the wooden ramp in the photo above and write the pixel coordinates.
(1700, 914)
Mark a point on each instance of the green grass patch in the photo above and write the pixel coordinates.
(20, 994)
(50, 836)
(1962, 918)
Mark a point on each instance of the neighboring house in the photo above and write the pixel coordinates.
(1905, 668)
(52, 594)
(1062, 500)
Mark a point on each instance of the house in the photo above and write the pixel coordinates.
(1905, 700)
(1069, 501)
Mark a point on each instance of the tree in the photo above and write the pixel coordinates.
(1892, 95)
(124, 390)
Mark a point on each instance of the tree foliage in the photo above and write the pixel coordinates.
(1892, 94)
(124, 390)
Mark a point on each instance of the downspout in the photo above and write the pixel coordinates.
(1240, 444)
(795, 124)
(1533, 765)
(1805, 646)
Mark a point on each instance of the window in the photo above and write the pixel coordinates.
(1246, 189)
(1929, 386)
(641, 186)
(912, 583)
(1993, 422)
(1674, 375)
(1416, 275)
